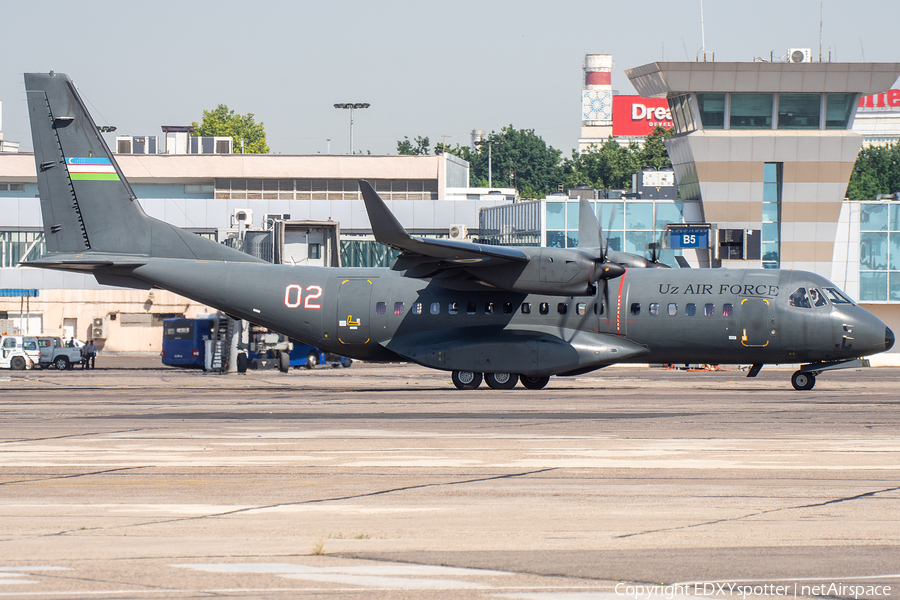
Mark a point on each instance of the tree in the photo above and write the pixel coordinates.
(405, 147)
(877, 171)
(609, 166)
(224, 122)
(654, 153)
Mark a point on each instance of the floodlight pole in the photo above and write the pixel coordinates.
(351, 106)
(489, 143)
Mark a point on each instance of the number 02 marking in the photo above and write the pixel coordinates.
(318, 294)
(293, 296)
(287, 295)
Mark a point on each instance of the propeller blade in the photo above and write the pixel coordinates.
(589, 234)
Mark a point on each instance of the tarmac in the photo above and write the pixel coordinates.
(383, 481)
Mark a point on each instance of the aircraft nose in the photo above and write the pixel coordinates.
(888, 339)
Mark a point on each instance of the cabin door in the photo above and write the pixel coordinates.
(354, 308)
(754, 328)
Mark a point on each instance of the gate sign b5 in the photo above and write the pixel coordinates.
(688, 237)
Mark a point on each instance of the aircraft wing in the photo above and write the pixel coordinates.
(451, 253)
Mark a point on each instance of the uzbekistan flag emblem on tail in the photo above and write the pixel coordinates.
(91, 169)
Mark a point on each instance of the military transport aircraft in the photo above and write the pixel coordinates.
(481, 312)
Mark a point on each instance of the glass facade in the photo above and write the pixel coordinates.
(879, 252)
(682, 113)
(756, 111)
(771, 216)
(630, 225)
(799, 111)
(751, 111)
(16, 246)
(838, 108)
(712, 110)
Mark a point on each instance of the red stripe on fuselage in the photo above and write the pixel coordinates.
(619, 304)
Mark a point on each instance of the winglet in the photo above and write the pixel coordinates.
(385, 226)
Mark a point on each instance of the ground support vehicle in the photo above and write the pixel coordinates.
(336, 360)
(54, 353)
(19, 352)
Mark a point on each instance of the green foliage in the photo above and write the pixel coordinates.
(518, 159)
(609, 166)
(224, 122)
(877, 171)
(654, 153)
(539, 169)
(407, 148)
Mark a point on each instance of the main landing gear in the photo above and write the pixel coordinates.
(469, 380)
(803, 381)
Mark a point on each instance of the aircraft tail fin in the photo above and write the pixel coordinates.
(86, 203)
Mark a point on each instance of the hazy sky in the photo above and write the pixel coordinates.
(427, 68)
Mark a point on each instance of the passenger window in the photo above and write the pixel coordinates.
(817, 297)
(727, 310)
(30, 346)
(799, 299)
(544, 308)
(380, 308)
(471, 307)
(636, 308)
(690, 309)
(453, 308)
(526, 308)
(653, 309)
(488, 308)
(507, 308)
(9, 343)
(673, 309)
(417, 308)
(435, 308)
(709, 310)
(580, 308)
(562, 308)
(398, 308)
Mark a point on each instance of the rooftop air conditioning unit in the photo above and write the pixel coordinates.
(242, 217)
(459, 232)
(799, 55)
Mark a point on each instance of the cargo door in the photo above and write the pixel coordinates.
(354, 307)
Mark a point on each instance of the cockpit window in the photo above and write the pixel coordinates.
(799, 299)
(836, 296)
(817, 297)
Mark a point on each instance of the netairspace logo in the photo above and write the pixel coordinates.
(744, 591)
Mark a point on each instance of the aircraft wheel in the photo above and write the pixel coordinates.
(501, 381)
(346, 362)
(17, 363)
(803, 381)
(466, 380)
(61, 363)
(534, 383)
(312, 359)
(284, 362)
